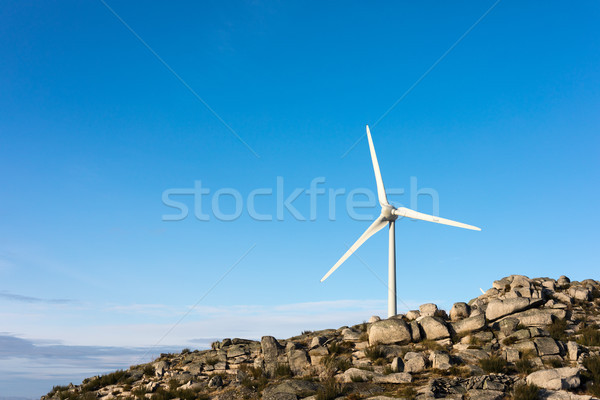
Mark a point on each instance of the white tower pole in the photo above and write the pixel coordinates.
(392, 272)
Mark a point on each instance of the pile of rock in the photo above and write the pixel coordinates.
(520, 332)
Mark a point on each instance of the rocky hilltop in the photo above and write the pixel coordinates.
(523, 339)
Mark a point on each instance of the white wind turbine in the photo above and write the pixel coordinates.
(389, 214)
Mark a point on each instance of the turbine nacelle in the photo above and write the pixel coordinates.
(388, 213)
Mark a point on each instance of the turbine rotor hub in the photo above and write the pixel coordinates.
(387, 212)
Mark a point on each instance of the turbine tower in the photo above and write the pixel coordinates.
(389, 215)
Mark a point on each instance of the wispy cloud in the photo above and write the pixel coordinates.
(30, 299)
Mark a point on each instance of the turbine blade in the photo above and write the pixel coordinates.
(380, 188)
(375, 227)
(405, 212)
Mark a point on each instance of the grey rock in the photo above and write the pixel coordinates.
(428, 310)
(412, 315)
(459, 311)
(415, 331)
(469, 324)
(317, 341)
(507, 325)
(298, 361)
(562, 395)
(534, 317)
(397, 377)
(563, 280)
(579, 293)
(555, 379)
(480, 394)
(215, 382)
(573, 349)
(291, 388)
(350, 335)
(353, 374)
(374, 318)
(440, 360)
(397, 364)
(434, 328)
(500, 308)
(546, 346)
(414, 362)
(389, 331)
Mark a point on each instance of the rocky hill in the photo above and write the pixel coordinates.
(523, 339)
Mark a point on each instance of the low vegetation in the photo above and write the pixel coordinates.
(526, 392)
(494, 364)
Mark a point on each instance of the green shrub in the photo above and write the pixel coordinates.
(432, 345)
(149, 370)
(306, 333)
(374, 353)
(494, 364)
(526, 392)
(113, 378)
(330, 390)
(212, 361)
(283, 371)
(139, 392)
(524, 366)
(509, 341)
(336, 363)
(407, 392)
(590, 336)
(592, 364)
(557, 329)
(256, 378)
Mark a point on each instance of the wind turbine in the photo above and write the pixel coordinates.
(388, 216)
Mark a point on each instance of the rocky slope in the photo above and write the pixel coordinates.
(523, 339)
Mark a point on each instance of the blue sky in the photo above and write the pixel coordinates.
(94, 129)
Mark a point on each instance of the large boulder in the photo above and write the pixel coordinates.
(501, 308)
(469, 324)
(428, 310)
(298, 361)
(414, 362)
(434, 328)
(534, 317)
(389, 331)
(546, 346)
(459, 311)
(555, 379)
(271, 349)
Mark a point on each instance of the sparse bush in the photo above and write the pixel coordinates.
(186, 351)
(363, 337)
(336, 363)
(357, 379)
(113, 378)
(149, 370)
(590, 336)
(283, 371)
(555, 363)
(459, 371)
(306, 333)
(374, 353)
(509, 341)
(592, 364)
(256, 378)
(330, 390)
(139, 392)
(407, 392)
(557, 329)
(432, 345)
(524, 366)
(388, 370)
(526, 392)
(212, 361)
(494, 364)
